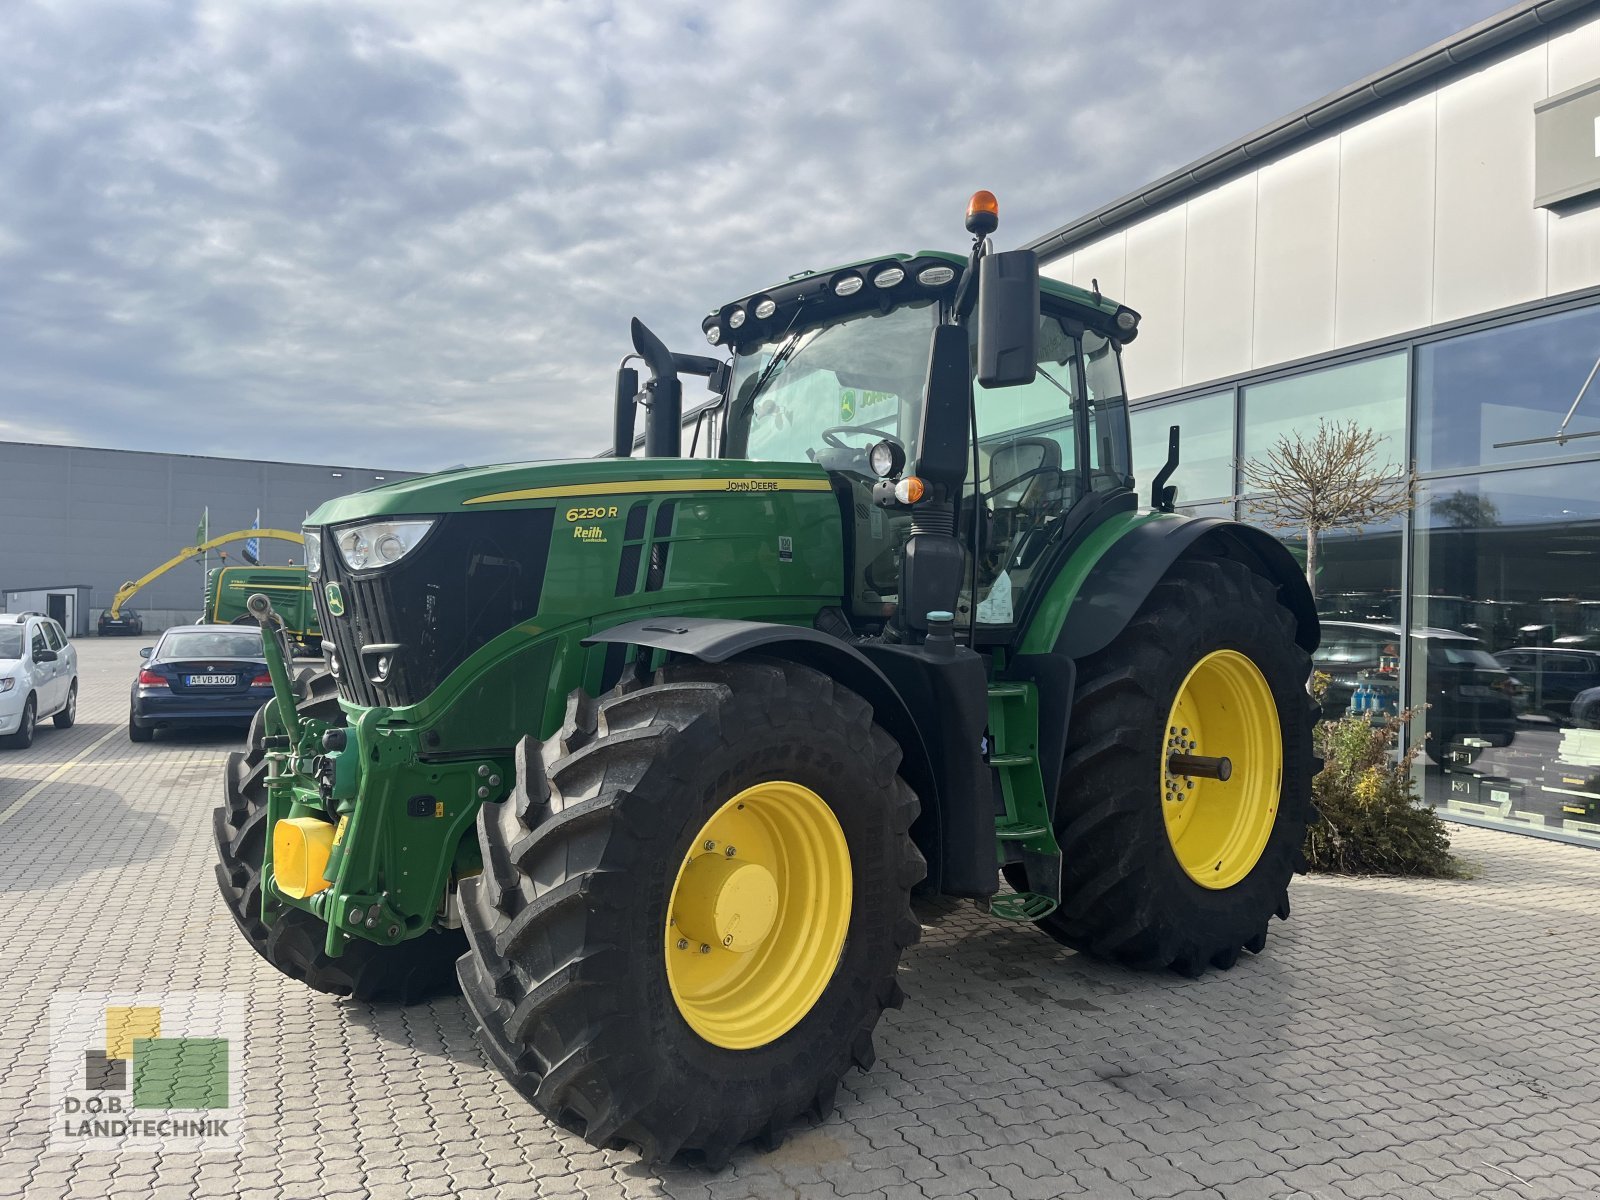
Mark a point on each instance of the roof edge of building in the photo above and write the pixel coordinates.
(265, 462)
(1494, 34)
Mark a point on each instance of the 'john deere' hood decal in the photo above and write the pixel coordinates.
(335, 599)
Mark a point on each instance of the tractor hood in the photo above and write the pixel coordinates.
(513, 485)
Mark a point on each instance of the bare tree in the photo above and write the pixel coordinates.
(1329, 480)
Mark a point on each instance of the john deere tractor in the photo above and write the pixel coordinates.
(653, 752)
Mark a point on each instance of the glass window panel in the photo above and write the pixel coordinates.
(1205, 445)
(1358, 574)
(1370, 393)
(1507, 384)
(1507, 607)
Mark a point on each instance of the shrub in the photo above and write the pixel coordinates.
(1372, 821)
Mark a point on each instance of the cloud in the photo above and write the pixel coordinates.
(412, 234)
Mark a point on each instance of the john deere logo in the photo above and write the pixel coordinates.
(335, 599)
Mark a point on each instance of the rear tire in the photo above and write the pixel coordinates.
(138, 732)
(68, 715)
(568, 971)
(1125, 895)
(409, 972)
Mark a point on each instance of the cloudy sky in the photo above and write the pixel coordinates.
(410, 234)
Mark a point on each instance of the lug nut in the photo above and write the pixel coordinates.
(483, 769)
(710, 845)
(704, 949)
(372, 922)
(683, 943)
(356, 914)
(483, 793)
(494, 781)
(729, 851)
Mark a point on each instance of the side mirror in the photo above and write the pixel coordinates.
(146, 651)
(1008, 318)
(943, 447)
(44, 656)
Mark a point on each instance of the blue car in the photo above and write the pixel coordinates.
(199, 675)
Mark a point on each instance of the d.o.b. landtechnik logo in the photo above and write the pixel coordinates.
(145, 1072)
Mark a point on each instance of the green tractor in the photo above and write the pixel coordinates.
(653, 753)
(228, 589)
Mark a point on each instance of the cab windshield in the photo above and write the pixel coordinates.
(828, 392)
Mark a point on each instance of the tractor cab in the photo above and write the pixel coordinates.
(876, 372)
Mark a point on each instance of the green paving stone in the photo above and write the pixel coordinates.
(173, 1073)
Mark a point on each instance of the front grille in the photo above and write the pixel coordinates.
(474, 576)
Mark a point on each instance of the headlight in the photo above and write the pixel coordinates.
(7, 684)
(380, 543)
(313, 538)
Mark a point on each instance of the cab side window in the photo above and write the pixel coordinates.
(1027, 470)
(52, 634)
(40, 642)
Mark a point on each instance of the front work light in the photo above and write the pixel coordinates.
(364, 547)
(736, 318)
(886, 458)
(888, 277)
(847, 285)
(935, 276)
(766, 307)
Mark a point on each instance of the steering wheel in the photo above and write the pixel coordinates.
(830, 435)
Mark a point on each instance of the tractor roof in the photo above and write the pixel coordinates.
(877, 283)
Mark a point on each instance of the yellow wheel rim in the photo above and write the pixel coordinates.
(758, 915)
(1219, 827)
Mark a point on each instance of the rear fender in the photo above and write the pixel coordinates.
(1126, 571)
(718, 640)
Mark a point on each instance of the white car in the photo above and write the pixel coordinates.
(38, 677)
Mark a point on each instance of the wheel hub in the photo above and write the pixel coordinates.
(1221, 769)
(724, 902)
(758, 915)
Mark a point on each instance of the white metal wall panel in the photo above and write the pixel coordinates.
(1219, 281)
(1059, 268)
(1385, 255)
(1107, 261)
(1154, 287)
(1297, 240)
(1574, 238)
(1489, 242)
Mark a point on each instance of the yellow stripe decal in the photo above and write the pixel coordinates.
(632, 487)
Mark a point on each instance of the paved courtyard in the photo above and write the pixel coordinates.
(1396, 1039)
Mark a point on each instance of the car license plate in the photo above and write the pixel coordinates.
(212, 680)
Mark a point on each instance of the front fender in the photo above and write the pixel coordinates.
(712, 639)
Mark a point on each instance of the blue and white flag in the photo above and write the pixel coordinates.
(252, 546)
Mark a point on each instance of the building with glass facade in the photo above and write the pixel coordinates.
(1419, 254)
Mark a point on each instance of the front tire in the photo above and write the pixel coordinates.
(23, 737)
(1151, 883)
(598, 981)
(409, 972)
